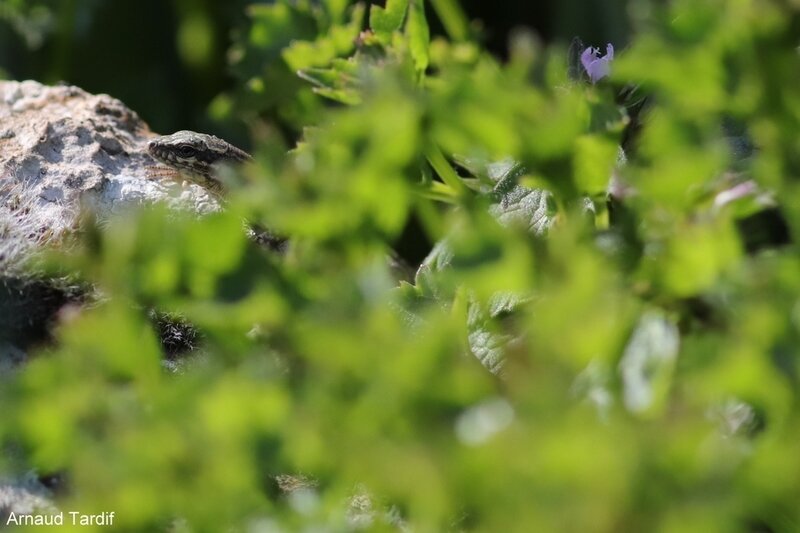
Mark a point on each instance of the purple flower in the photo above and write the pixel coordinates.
(737, 192)
(597, 67)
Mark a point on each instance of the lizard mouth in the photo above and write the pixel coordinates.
(165, 155)
(158, 153)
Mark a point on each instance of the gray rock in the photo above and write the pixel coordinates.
(25, 495)
(63, 150)
(65, 153)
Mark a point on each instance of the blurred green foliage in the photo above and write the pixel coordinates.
(166, 60)
(644, 365)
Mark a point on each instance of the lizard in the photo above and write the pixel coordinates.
(197, 155)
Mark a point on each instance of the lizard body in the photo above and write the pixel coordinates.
(197, 155)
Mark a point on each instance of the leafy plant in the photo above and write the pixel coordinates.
(570, 356)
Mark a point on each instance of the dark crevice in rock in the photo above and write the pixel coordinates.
(29, 307)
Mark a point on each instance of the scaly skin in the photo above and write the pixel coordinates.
(197, 155)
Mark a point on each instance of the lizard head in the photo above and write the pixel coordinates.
(194, 152)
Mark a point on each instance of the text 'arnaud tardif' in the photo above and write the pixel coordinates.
(74, 518)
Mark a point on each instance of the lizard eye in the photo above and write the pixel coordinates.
(186, 151)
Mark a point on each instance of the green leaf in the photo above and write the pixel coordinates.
(452, 17)
(593, 162)
(384, 21)
(338, 41)
(418, 34)
(697, 255)
(444, 170)
(340, 82)
(336, 9)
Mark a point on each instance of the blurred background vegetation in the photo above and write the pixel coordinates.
(170, 60)
(182, 64)
(575, 352)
